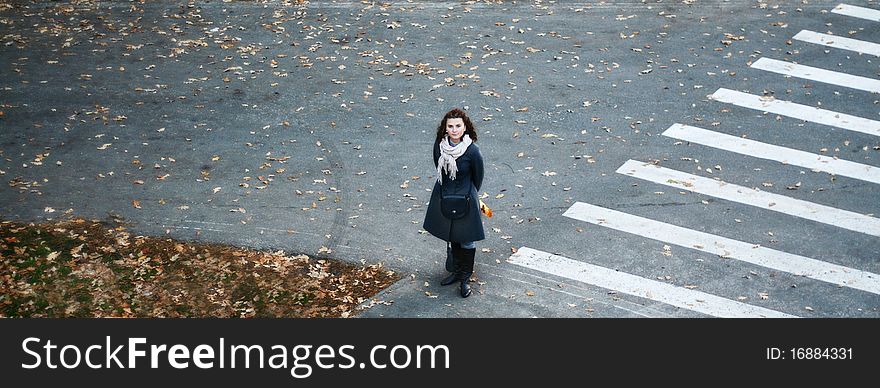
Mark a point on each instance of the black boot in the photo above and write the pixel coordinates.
(452, 278)
(466, 268)
(453, 251)
(465, 287)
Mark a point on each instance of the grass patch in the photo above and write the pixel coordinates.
(82, 268)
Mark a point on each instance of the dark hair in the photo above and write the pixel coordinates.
(456, 114)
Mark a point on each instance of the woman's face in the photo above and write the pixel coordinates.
(455, 129)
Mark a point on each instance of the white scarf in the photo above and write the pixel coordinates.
(448, 155)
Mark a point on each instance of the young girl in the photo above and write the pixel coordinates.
(453, 214)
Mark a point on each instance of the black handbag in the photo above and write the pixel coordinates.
(454, 206)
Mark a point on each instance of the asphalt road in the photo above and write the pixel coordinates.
(308, 128)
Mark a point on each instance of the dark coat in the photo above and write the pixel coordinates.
(468, 180)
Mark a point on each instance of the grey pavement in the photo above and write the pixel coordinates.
(307, 127)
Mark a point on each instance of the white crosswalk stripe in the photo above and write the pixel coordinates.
(838, 42)
(783, 155)
(798, 111)
(858, 12)
(726, 248)
(731, 192)
(817, 74)
(638, 286)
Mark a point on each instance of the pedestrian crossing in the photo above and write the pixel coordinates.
(784, 155)
(798, 111)
(753, 197)
(817, 74)
(727, 248)
(839, 42)
(857, 12)
(638, 286)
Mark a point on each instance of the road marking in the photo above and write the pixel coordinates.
(798, 111)
(839, 42)
(857, 12)
(731, 192)
(819, 75)
(783, 155)
(638, 286)
(585, 293)
(726, 248)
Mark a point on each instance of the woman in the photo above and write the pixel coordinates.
(453, 214)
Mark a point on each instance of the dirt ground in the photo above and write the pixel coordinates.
(87, 268)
